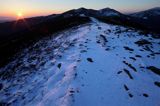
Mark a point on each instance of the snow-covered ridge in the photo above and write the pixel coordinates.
(106, 12)
(95, 64)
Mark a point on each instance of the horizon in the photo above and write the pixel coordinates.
(13, 18)
(30, 8)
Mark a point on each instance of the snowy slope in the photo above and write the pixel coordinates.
(95, 64)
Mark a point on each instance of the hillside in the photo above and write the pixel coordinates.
(94, 64)
(149, 18)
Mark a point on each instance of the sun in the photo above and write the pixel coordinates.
(19, 14)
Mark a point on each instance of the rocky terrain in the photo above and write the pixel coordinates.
(94, 64)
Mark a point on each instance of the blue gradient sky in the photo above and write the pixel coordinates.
(44, 7)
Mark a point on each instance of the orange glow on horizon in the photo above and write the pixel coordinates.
(26, 14)
(19, 15)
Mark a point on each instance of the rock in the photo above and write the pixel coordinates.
(142, 42)
(83, 51)
(154, 69)
(130, 95)
(129, 65)
(127, 48)
(104, 38)
(157, 83)
(125, 87)
(109, 30)
(98, 42)
(145, 95)
(132, 58)
(72, 91)
(59, 65)
(119, 72)
(138, 56)
(128, 73)
(1, 86)
(90, 59)
(99, 28)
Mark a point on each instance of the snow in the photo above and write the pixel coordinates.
(82, 15)
(55, 71)
(109, 12)
(145, 17)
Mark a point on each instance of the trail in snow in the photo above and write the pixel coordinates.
(95, 64)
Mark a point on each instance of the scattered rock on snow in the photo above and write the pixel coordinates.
(142, 42)
(157, 83)
(109, 30)
(83, 51)
(71, 91)
(104, 38)
(154, 69)
(129, 65)
(138, 56)
(119, 72)
(107, 49)
(133, 58)
(1, 86)
(98, 41)
(145, 95)
(59, 65)
(81, 45)
(130, 95)
(127, 48)
(128, 73)
(125, 87)
(99, 28)
(90, 59)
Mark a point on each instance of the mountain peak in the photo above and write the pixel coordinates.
(107, 8)
(81, 8)
(109, 12)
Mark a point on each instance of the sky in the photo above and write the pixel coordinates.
(29, 8)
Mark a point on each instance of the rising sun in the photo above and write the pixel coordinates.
(19, 15)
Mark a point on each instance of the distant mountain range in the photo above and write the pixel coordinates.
(149, 18)
(146, 20)
(6, 19)
(147, 13)
(22, 32)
